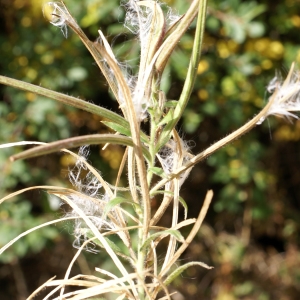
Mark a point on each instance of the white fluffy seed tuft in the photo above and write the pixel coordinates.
(57, 15)
(91, 203)
(285, 95)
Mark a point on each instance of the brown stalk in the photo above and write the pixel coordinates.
(170, 43)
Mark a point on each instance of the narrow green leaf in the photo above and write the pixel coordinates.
(74, 142)
(66, 99)
(112, 245)
(116, 249)
(169, 117)
(158, 171)
(125, 130)
(172, 232)
(171, 103)
(180, 269)
(118, 200)
(116, 127)
(183, 203)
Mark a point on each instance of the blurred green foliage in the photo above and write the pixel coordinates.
(15, 219)
(252, 234)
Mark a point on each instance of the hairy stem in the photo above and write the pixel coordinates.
(191, 75)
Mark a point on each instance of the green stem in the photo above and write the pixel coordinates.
(141, 262)
(151, 150)
(155, 117)
(191, 75)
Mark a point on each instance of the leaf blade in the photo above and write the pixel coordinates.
(180, 269)
(66, 99)
(116, 201)
(125, 130)
(94, 139)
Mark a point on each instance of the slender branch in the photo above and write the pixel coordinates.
(210, 150)
(192, 234)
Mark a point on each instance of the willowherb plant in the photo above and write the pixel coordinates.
(99, 208)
